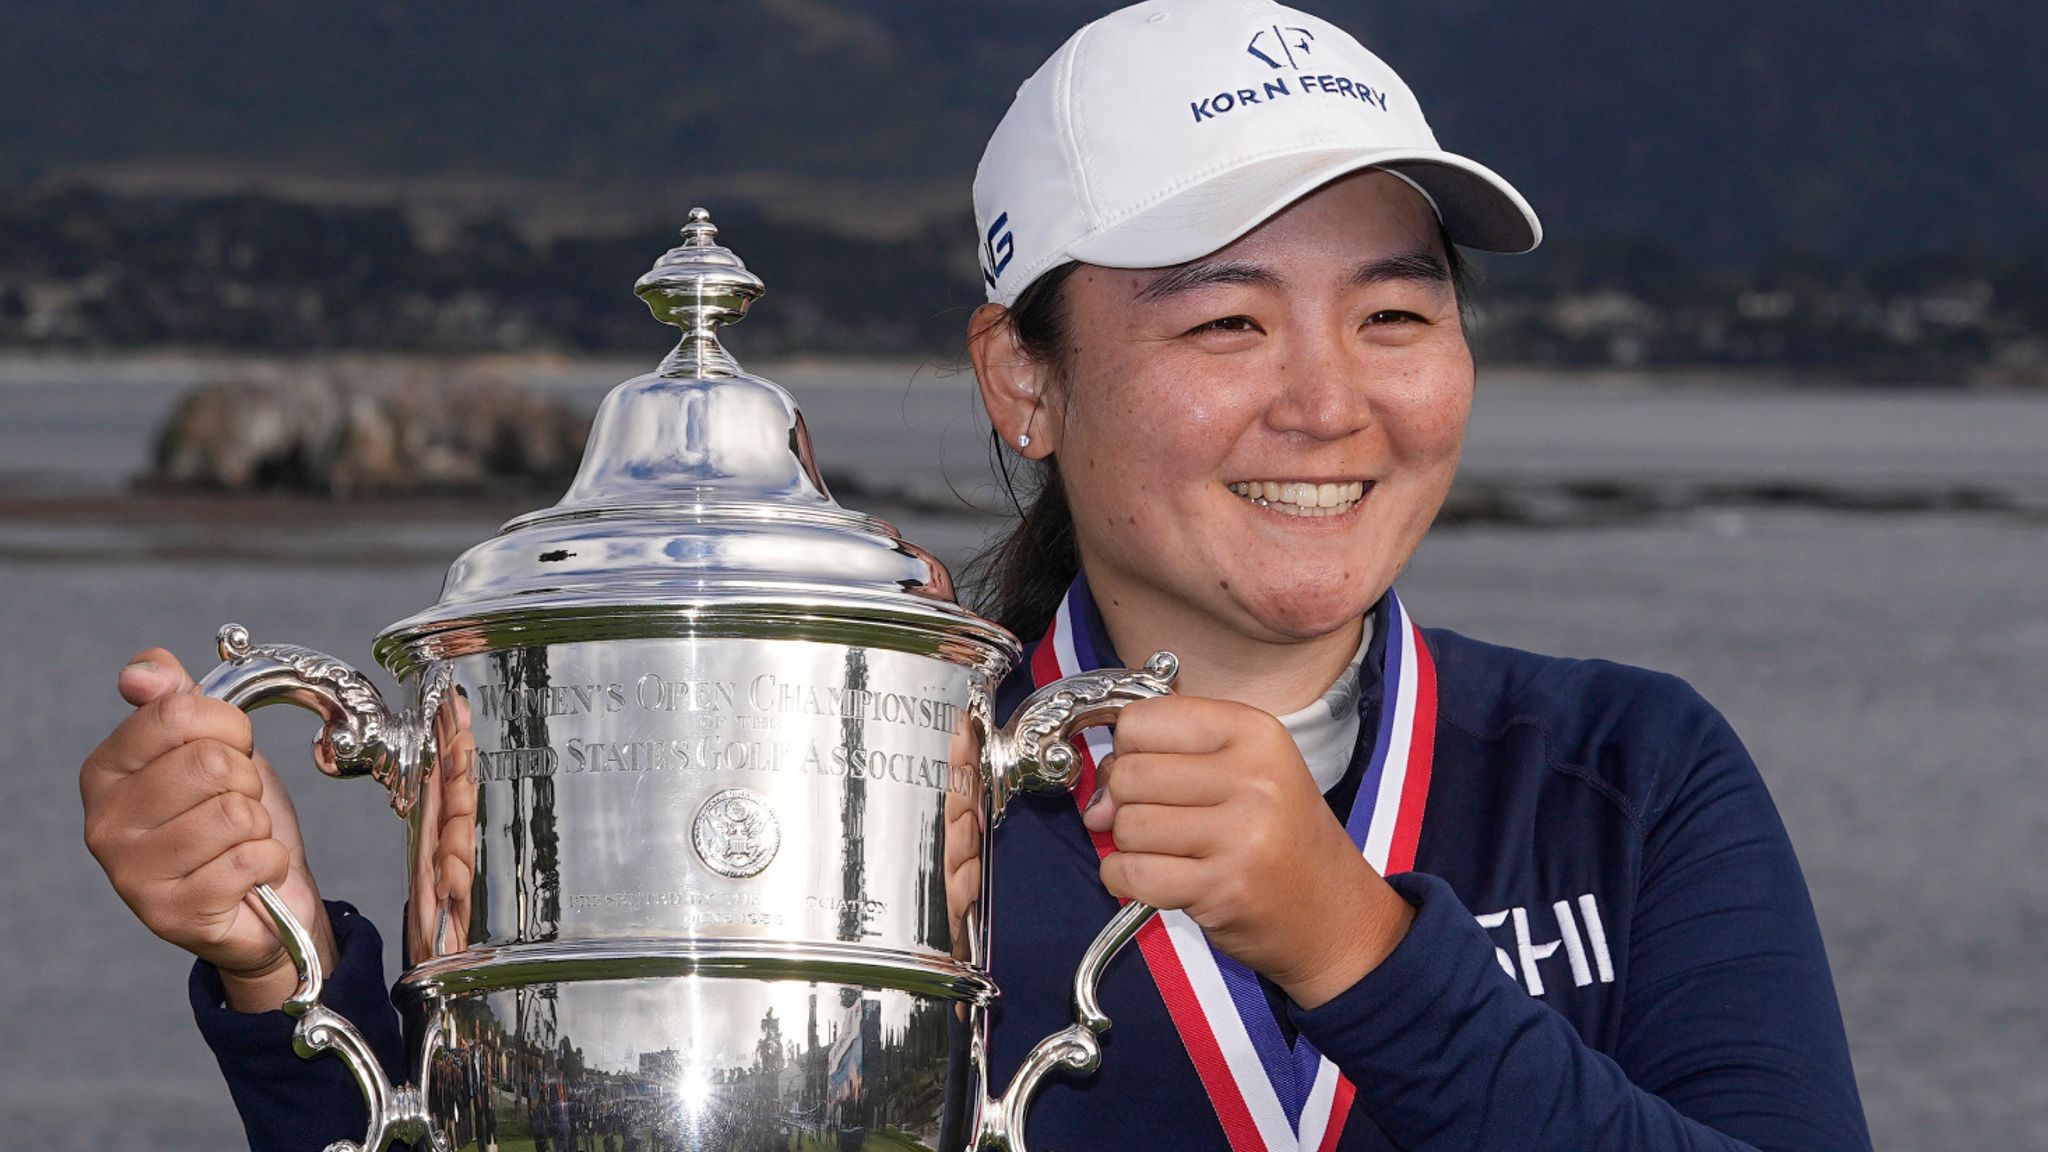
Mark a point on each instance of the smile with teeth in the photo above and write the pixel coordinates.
(1299, 498)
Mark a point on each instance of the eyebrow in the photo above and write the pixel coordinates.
(1204, 274)
(1420, 264)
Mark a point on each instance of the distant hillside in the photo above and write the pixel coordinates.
(84, 270)
(1727, 130)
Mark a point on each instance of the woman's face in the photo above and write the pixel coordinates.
(1258, 440)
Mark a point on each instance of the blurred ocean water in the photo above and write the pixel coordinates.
(1885, 659)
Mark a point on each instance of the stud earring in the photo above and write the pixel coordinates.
(1023, 439)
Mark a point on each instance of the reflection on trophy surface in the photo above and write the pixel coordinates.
(445, 859)
(700, 776)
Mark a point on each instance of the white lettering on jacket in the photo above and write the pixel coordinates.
(1582, 935)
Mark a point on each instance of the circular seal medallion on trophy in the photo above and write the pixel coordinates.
(735, 833)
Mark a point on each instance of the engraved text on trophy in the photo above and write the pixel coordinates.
(748, 770)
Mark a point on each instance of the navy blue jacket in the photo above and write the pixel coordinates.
(1556, 784)
(1570, 802)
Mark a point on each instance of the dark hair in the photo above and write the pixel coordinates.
(1018, 580)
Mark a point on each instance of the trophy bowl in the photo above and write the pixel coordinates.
(699, 772)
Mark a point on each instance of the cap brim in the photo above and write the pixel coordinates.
(1478, 208)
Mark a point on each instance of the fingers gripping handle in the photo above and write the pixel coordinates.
(360, 737)
(1035, 751)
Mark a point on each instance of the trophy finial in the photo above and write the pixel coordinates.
(700, 231)
(699, 286)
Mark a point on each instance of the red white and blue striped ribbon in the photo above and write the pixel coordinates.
(1268, 1095)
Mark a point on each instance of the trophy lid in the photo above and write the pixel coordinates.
(698, 509)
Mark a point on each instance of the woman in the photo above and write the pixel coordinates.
(1422, 892)
(1225, 322)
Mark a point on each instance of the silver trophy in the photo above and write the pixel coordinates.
(699, 771)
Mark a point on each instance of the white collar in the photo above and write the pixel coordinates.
(1326, 731)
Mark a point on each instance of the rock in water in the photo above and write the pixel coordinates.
(351, 430)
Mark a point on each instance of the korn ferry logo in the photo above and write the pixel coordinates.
(1281, 48)
(1288, 42)
(996, 248)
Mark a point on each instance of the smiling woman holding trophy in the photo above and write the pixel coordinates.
(730, 829)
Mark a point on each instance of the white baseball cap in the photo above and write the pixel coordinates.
(1166, 130)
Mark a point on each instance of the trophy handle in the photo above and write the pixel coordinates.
(361, 738)
(1035, 752)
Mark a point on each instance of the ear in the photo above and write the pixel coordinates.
(1014, 387)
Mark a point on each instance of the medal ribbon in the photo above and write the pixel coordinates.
(1268, 1095)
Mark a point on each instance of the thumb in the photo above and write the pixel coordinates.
(150, 674)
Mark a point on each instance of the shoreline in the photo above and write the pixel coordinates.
(266, 510)
(906, 442)
(1557, 502)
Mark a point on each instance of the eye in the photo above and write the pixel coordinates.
(1386, 316)
(1227, 324)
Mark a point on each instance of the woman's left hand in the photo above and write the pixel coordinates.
(1214, 813)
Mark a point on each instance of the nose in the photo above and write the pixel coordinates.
(1322, 390)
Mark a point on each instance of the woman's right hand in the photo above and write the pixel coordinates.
(187, 817)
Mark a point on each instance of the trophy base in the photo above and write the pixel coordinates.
(717, 1063)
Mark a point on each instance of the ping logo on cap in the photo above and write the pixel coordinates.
(996, 249)
(1286, 41)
